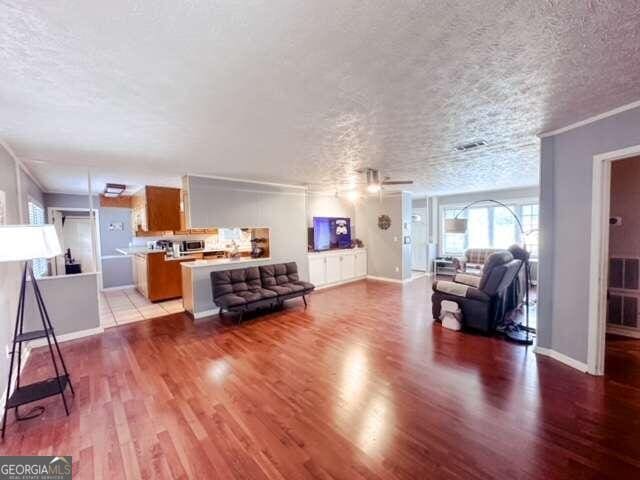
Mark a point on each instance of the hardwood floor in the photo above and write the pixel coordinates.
(361, 385)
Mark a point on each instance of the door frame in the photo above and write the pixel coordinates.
(97, 254)
(599, 258)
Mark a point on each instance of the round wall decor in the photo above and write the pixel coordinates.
(384, 222)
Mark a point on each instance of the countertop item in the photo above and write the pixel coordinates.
(222, 261)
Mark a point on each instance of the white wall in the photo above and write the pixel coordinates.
(329, 206)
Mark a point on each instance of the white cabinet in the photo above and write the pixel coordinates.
(317, 269)
(333, 268)
(337, 266)
(361, 263)
(140, 273)
(347, 267)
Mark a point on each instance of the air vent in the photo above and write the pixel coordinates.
(464, 147)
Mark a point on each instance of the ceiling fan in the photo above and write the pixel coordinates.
(374, 184)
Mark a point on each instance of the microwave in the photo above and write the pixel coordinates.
(192, 245)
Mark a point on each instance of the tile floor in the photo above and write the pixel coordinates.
(118, 307)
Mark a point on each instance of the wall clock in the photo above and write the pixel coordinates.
(384, 222)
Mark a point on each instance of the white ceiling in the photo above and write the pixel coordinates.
(305, 91)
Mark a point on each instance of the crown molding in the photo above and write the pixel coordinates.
(587, 121)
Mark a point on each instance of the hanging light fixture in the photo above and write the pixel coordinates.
(373, 181)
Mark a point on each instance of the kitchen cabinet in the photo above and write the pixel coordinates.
(156, 209)
(337, 266)
(158, 277)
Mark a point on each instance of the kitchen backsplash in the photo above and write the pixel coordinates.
(221, 241)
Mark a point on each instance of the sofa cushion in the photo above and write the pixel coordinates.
(256, 295)
(230, 300)
(292, 272)
(281, 289)
(306, 285)
(268, 275)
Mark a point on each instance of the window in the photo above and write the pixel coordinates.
(36, 217)
(453, 242)
(492, 226)
(529, 219)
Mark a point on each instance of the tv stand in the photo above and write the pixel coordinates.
(334, 267)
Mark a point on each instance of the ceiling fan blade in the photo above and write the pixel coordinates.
(397, 182)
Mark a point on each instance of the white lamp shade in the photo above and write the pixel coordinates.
(455, 225)
(26, 242)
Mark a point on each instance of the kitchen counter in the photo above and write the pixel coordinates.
(196, 281)
(135, 250)
(222, 261)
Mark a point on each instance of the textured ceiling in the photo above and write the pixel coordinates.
(309, 91)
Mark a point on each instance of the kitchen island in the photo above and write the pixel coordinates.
(156, 275)
(196, 282)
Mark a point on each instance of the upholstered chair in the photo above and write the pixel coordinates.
(481, 298)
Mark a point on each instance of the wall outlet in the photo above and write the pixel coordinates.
(397, 269)
(395, 239)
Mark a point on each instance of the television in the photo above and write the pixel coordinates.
(331, 232)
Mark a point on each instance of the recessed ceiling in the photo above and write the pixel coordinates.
(306, 91)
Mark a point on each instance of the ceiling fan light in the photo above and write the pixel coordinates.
(353, 196)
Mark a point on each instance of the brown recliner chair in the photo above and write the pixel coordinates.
(483, 300)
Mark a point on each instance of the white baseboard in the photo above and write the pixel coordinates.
(343, 282)
(562, 358)
(41, 342)
(204, 313)
(387, 279)
(623, 331)
(121, 287)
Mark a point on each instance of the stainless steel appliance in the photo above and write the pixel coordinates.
(192, 245)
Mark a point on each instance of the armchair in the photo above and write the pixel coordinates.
(482, 299)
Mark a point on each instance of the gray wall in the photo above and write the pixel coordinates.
(117, 269)
(30, 190)
(565, 208)
(223, 203)
(71, 300)
(384, 247)
(67, 200)
(9, 272)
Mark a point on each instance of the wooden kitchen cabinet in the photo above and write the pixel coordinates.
(156, 209)
(158, 278)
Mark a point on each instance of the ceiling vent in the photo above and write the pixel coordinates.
(464, 147)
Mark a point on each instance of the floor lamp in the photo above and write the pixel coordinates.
(25, 243)
(459, 225)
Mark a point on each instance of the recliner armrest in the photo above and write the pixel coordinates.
(466, 279)
(460, 290)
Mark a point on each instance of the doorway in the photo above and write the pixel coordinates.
(614, 284)
(78, 234)
(419, 238)
(622, 336)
